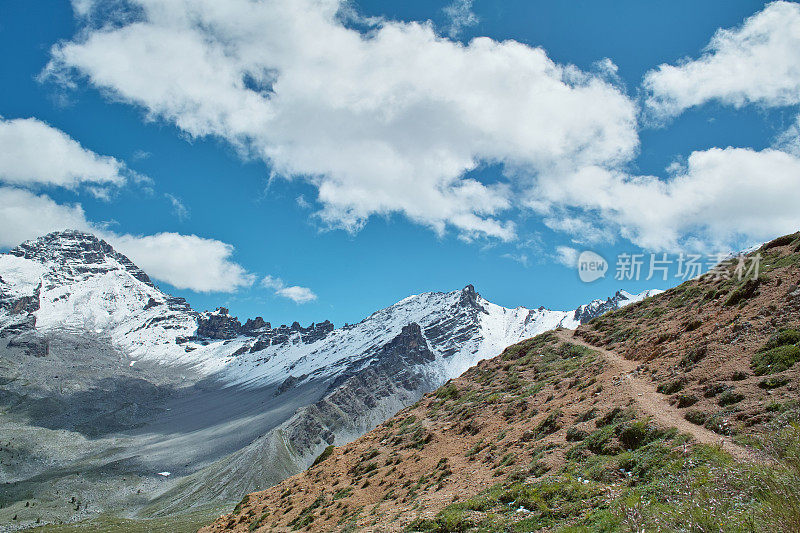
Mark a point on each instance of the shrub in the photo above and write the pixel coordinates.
(601, 442)
(672, 387)
(775, 360)
(773, 382)
(238, 508)
(714, 389)
(575, 434)
(324, 455)
(693, 325)
(745, 292)
(617, 414)
(730, 397)
(783, 337)
(448, 392)
(686, 400)
(548, 425)
(449, 520)
(694, 356)
(635, 434)
(696, 417)
(780, 241)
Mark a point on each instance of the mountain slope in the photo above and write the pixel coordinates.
(105, 377)
(560, 431)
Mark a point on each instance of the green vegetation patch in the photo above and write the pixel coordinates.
(775, 360)
(324, 455)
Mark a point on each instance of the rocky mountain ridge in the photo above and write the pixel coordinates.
(91, 348)
(640, 420)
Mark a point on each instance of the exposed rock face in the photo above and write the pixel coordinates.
(218, 325)
(77, 254)
(396, 377)
(302, 387)
(594, 309)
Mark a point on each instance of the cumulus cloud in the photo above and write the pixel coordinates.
(755, 63)
(25, 215)
(721, 197)
(183, 261)
(390, 121)
(460, 16)
(297, 294)
(394, 119)
(35, 153)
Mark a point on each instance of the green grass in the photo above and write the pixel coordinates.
(658, 485)
(108, 523)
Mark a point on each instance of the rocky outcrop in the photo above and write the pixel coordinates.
(218, 325)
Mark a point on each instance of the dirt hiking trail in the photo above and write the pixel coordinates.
(655, 404)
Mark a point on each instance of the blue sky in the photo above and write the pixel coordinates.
(184, 164)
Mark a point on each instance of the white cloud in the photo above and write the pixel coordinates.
(387, 122)
(789, 140)
(721, 198)
(178, 209)
(460, 16)
(25, 215)
(521, 258)
(297, 294)
(567, 256)
(34, 153)
(756, 63)
(184, 261)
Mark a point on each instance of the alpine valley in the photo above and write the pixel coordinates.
(117, 399)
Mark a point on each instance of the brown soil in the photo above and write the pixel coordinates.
(509, 416)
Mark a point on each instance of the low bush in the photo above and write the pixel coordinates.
(324, 455)
(672, 387)
(696, 417)
(748, 289)
(575, 434)
(773, 382)
(686, 400)
(775, 360)
(729, 397)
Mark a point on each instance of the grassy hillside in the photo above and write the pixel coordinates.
(670, 414)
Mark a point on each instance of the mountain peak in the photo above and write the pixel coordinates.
(469, 297)
(75, 252)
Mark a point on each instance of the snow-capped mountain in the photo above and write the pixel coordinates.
(225, 407)
(74, 281)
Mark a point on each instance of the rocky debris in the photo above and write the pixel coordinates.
(469, 298)
(23, 323)
(32, 345)
(408, 348)
(284, 334)
(287, 384)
